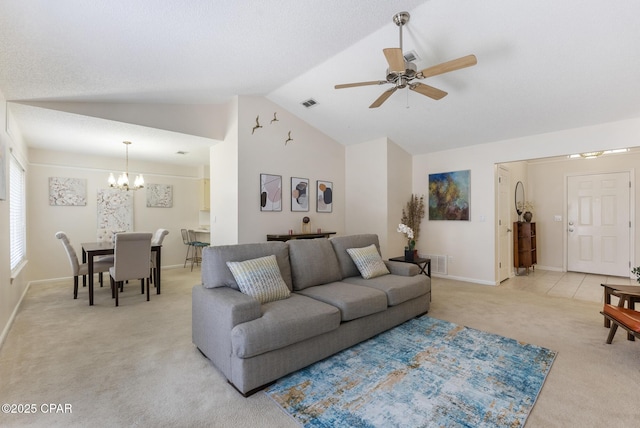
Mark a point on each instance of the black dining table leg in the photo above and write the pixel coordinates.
(158, 269)
(90, 274)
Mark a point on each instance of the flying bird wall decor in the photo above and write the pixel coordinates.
(257, 125)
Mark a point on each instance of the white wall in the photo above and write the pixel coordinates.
(46, 255)
(367, 191)
(310, 155)
(399, 191)
(224, 164)
(378, 187)
(471, 245)
(10, 291)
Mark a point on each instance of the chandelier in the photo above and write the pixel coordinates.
(123, 179)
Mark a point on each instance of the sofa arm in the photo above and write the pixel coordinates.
(401, 268)
(224, 306)
(215, 311)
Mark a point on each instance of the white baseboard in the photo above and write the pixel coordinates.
(12, 318)
(464, 279)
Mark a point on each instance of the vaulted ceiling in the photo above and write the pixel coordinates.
(542, 66)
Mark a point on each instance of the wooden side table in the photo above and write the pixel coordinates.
(419, 261)
(626, 293)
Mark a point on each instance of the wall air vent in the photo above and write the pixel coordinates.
(309, 103)
(438, 264)
(411, 56)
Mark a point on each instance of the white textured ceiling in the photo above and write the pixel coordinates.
(542, 66)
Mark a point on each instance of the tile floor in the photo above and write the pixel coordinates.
(572, 285)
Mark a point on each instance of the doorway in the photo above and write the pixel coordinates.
(504, 224)
(598, 223)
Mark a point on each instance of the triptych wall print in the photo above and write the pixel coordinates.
(301, 194)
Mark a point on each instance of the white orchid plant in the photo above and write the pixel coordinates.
(408, 232)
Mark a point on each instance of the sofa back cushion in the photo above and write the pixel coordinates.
(216, 273)
(342, 243)
(313, 262)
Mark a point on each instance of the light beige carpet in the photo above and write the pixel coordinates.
(135, 365)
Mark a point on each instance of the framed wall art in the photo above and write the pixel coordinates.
(67, 191)
(115, 210)
(449, 194)
(324, 198)
(299, 194)
(159, 195)
(270, 192)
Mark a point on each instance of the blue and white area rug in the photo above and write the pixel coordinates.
(423, 373)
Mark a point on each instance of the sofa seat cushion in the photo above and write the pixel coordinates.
(283, 323)
(398, 289)
(354, 301)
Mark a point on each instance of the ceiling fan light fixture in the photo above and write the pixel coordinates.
(402, 70)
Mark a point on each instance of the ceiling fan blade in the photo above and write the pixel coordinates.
(445, 67)
(395, 59)
(427, 90)
(382, 98)
(353, 85)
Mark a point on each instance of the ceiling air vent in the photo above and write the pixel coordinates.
(411, 56)
(309, 103)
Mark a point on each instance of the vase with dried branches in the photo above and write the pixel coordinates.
(413, 214)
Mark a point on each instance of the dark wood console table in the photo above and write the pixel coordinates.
(286, 237)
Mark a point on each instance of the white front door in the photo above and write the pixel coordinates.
(504, 224)
(598, 223)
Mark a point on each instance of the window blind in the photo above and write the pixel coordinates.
(17, 212)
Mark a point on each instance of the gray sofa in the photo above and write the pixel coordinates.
(331, 307)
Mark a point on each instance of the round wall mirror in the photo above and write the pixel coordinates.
(519, 198)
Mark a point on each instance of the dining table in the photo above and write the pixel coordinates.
(93, 249)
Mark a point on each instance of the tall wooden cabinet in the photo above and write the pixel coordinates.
(524, 245)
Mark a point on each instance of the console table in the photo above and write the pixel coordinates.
(286, 237)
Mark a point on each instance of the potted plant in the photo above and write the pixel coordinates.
(412, 216)
(409, 249)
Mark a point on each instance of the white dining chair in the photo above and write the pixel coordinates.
(157, 239)
(80, 269)
(132, 260)
(105, 235)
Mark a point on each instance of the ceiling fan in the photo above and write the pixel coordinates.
(402, 73)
